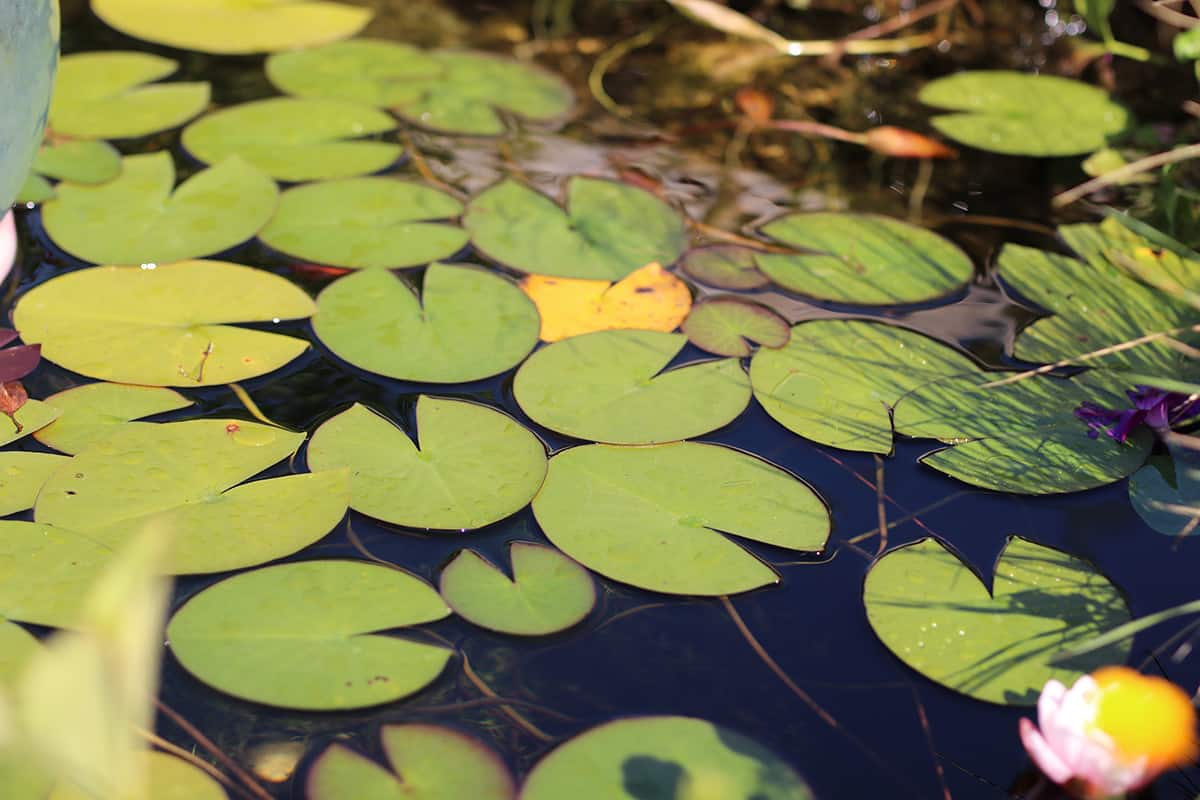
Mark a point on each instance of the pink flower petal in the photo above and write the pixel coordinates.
(8, 244)
(1043, 755)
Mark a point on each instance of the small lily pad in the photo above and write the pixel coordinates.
(474, 465)
(305, 635)
(1025, 115)
(864, 259)
(164, 326)
(467, 324)
(606, 231)
(296, 140)
(366, 222)
(724, 266)
(93, 411)
(656, 517)
(933, 612)
(1166, 492)
(76, 161)
(234, 26)
(647, 758)
(547, 593)
(138, 219)
(428, 762)
(647, 299)
(31, 417)
(443, 90)
(106, 95)
(611, 387)
(729, 326)
(22, 476)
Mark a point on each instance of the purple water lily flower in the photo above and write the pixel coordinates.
(1154, 407)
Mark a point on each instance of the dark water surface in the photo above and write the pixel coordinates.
(641, 653)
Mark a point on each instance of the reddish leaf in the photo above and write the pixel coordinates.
(17, 362)
(756, 104)
(12, 397)
(7, 335)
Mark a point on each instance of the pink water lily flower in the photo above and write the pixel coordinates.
(1112, 732)
(8, 244)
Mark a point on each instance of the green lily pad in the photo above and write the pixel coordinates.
(167, 778)
(1024, 115)
(76, 161)
(474, 465)
(296, 140)
(447, 91)
(606, 231)
(93, 411)
(933, 612)
(610, 386)
(724, 266)
(234, 26)
(730, 326)
(655, 517)
(467, 324)
(106, 95)
(21, 478)
(662, 757)
(428, 762)
(17, 646)
(34, 191)
(366, 222)
(1166, 492)
(137, 219)
(46, 573)
(180, 479)
(304, 635)
(30, 418)
(547, 593)
(163, 326)
(850, 383)
(864, 259)
(1096, 302)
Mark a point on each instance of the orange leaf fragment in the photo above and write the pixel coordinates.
(12, 397)
(648, 299)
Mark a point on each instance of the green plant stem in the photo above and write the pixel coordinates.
(1128, 630)
(1128, 171)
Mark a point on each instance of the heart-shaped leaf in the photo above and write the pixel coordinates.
(366, 222)
(296, 140)
(180, 480)
(547, 593)
(1166, 492)
(1023, 114)
(448, 91)
(311, 641)
(864, 259)
(728, 326)
(428, 762)
(164, 326)
(22, 476)
(647, 299)
(662, 757)
(234, 26)
(611, 387)
(137, 219)
(474, 465)
(724, 266)
(654, 517)
(935, 614)
(606, 231)
(94, 410)
(468, 323)
(105, 95)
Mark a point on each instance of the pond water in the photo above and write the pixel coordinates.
(867, 725)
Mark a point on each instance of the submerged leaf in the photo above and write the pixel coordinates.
(936, 615)
(1166, 492)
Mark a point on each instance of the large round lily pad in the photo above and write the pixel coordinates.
(655, 517)
(448, 91)
(305, 635)
(606, 231)
(180, 480)
(662, 757)
(111, 95)
(234, 26)
(467, 324)
(610, 387)
(1027, 115)
(93, 411)
(296, 140)
(473, 466)
(864, 259)
(22, 476)
(935, 614)
(164, 326)
(547, 592)
(428, 762)
(137, 218)
(366, 222)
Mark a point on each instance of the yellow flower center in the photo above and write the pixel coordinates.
(1146, 717)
